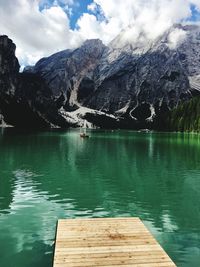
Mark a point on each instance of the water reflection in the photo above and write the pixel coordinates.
(49, 175)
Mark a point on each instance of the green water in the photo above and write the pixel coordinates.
(49, 175)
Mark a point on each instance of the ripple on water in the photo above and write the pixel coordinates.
(56, 175)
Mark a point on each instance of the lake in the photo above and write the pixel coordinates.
(49, 175)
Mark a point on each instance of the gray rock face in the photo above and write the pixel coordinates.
(52, 69)
(9, 66)
(139, 83)
(64, 70)
(150, 74)
(122, 85)
(25, 99)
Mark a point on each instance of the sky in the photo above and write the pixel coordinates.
(40, 28)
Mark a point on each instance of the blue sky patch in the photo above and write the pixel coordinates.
(74, 10)
(195, 13)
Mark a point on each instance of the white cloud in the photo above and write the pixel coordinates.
(36, 33)
(89, 26)
(39, 33)
(176, 37)
(196, 3)
(92, 7)
(149, 17)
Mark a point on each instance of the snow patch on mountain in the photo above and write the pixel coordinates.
(77, 118)
(195, 82)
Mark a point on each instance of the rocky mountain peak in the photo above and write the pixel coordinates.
(92, 44)
(9, 65)
(133, 85)
(7, 45)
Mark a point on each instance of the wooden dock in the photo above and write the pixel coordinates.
(107, 242)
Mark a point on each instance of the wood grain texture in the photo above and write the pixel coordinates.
(107, 242)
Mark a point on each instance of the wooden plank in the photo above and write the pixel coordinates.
(101, 243)
(153, 254)
(107, 242)
(164, 264)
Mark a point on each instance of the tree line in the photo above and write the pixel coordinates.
(186, 117)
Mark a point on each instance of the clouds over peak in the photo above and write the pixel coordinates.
(149, 17)
(37, 33)
(42, 27)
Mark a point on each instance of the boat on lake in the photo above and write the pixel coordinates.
(83, 133)
(144, 131)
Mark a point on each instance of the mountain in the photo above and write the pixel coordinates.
(25, 99)
(127, 84)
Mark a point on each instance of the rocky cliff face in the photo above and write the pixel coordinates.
(122, 85)
(9, 66)
(25, 99)
(64, 71)
(136, 84)
(139, 81)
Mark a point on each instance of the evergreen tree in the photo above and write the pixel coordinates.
(186, 117)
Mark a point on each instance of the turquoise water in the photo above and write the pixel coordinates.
(45, 176)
